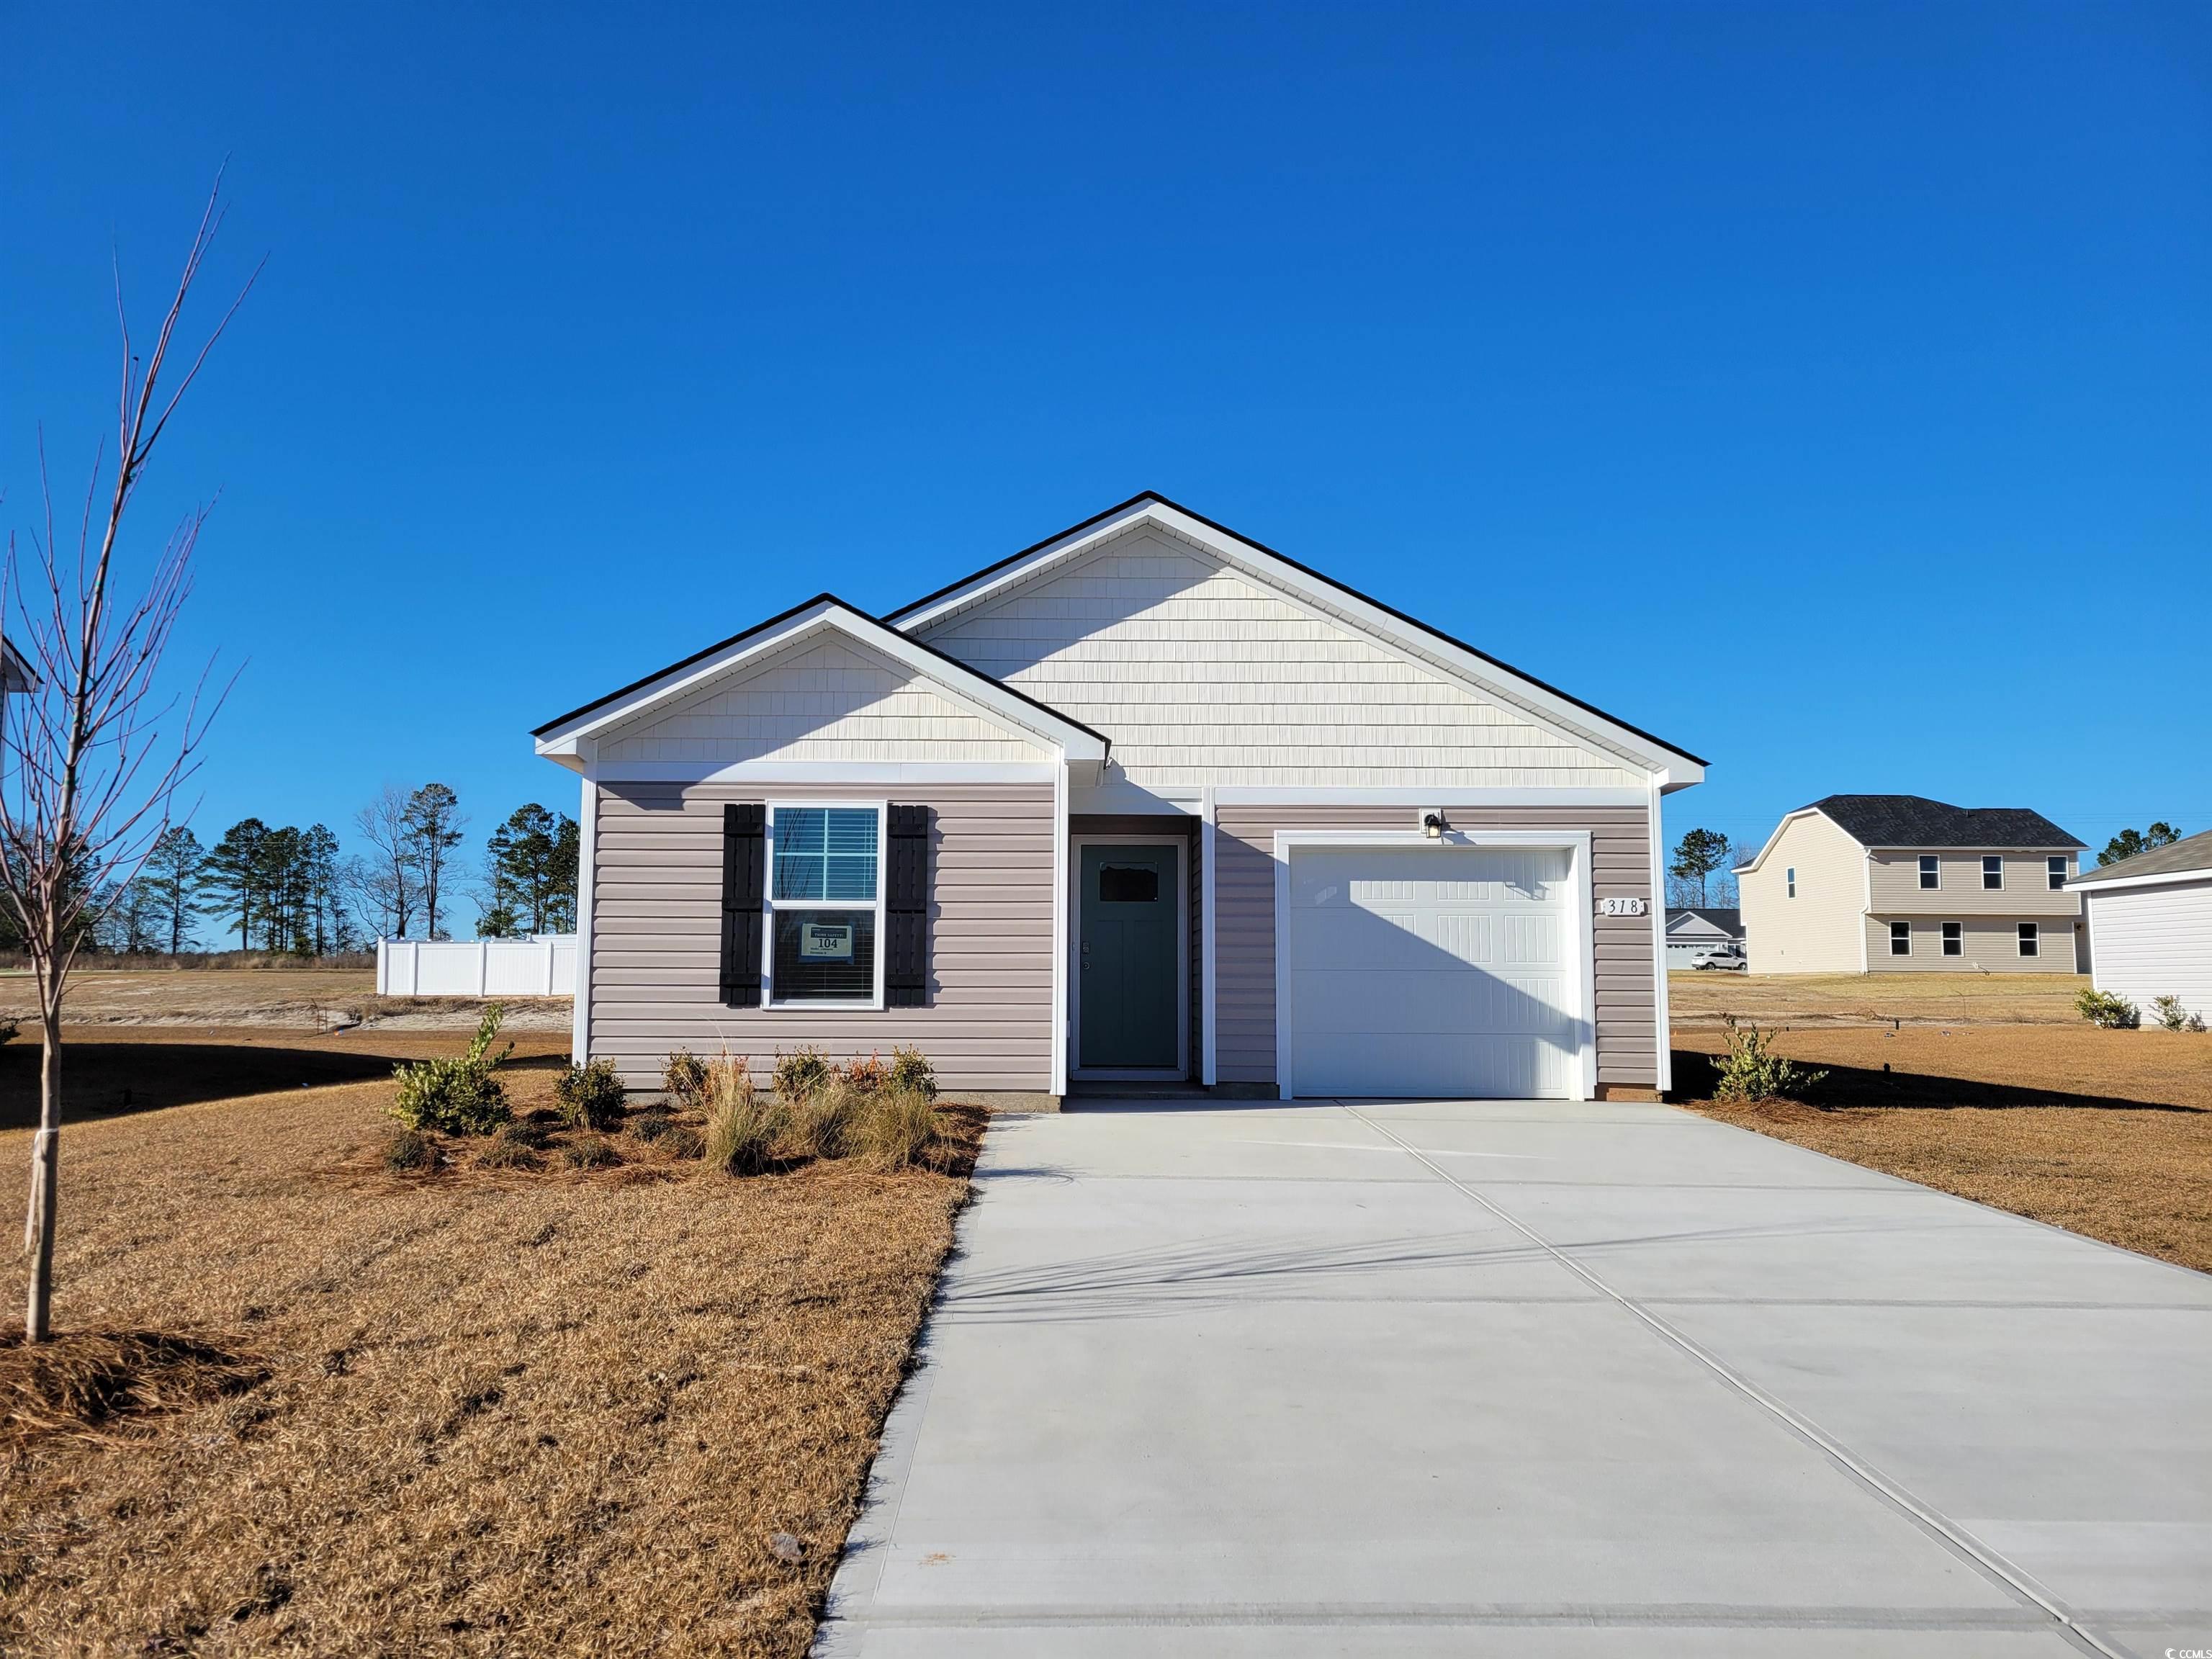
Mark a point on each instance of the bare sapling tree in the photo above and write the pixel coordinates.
(98, 750)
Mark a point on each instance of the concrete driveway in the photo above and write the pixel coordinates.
(1531, 1379)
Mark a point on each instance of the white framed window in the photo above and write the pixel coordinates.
(2056, 869)
(1932, 871)
(1789, 880)
(2028, 942)
(822, 940)
(1993, 872)
(1954, 942)
(1900, 938)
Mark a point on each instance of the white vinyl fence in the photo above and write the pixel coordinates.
(541, 967)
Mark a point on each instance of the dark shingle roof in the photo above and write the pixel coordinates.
(1729, 921)
(1916, 821)
(2190, 853)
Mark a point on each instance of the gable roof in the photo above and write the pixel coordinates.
(824, 612)
(2191, 855)
(1916, 821)
(16, 673)
(1729, 921)
(1390, 625)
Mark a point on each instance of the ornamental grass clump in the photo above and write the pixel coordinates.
(743, 1124)
(894, 1129)
(590, 1097)
(800, 1073)
(457, 1096)
(514, 1147)
(1751, 1072)
(820, 1124)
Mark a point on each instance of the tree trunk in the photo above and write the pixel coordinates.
(45, 1177)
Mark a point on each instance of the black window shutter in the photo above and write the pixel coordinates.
(906, 908)
(745, 828)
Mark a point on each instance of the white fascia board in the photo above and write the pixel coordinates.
(2160, 878)
(1563, 717)
(769, 773)
(1424, 795)
(1788, 818)
(973, 690)
(565, 751)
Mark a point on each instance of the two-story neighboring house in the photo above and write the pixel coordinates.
(1886, 884)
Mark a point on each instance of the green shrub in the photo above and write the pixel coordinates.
(819, 1125)
(894, 1129)
(514, 1147)
(745, 1124)
(1752, 1071)
(590, 1152)
(409, 1152)
(912, 1073)
(590, 1097)
(682, 1140)
(684, 1077)
(799, 1073)
(2172, 1017)
(2112, 1013)
(460, 1097)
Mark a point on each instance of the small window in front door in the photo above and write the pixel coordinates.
(1128, 883)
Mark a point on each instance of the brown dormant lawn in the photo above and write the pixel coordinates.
(2106, 1133)
(1700, 997)
(616, 1410)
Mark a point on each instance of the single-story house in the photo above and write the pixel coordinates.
(1901, 884)
(2149, 921)
(1698, 928)
(1146, 802)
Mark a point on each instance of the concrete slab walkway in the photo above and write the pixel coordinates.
(1525, 1378)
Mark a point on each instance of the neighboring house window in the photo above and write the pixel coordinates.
(2027, 940)
(825, 905)
(1954, 944)
(1993, 873)
(1900, 938)
(1931, 870)
(2057, 869)
(1789, 880)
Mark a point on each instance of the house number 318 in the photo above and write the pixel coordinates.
(1620, 907)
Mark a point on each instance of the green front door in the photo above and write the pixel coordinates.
(1129, 979)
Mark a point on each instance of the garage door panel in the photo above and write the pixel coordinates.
(1429, 970)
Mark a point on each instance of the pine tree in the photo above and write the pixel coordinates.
(232, 876)
(170, 877)
(433, 826)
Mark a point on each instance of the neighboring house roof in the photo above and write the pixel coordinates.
(1916, 821)
(2191, 855)
(557, 739)
(15, 671)
(1728, 921)
(1908, 821)
(1379, 619)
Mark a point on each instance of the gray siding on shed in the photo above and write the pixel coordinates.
(1244, 924)
(656, 918)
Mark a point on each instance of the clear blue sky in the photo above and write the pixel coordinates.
(1826, 389)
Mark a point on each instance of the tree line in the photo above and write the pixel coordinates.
(291, 891)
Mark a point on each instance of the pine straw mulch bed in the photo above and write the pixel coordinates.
(304, 1405)
(2108, 1133)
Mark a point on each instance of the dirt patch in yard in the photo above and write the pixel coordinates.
(2108, 1133)
(607, 1410)
(291, 999)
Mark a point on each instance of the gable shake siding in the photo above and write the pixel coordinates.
(656, 914)
(831, 700)
(1201, 675)
(1244, 925)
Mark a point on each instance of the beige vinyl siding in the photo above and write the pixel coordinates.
(1893, 882)
(1245, 922)
(822, 700)
(1201, 674)
(656, 938)
(1989, 945)
(1819, 932)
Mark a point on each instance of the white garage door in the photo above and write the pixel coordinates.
(1443, 971)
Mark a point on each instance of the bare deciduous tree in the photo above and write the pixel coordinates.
(385, 884)
(98, 753)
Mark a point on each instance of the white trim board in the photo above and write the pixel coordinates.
(767, 774)
(588, 865)
(1181, 843)
(1580, 903)
(2121, 883)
